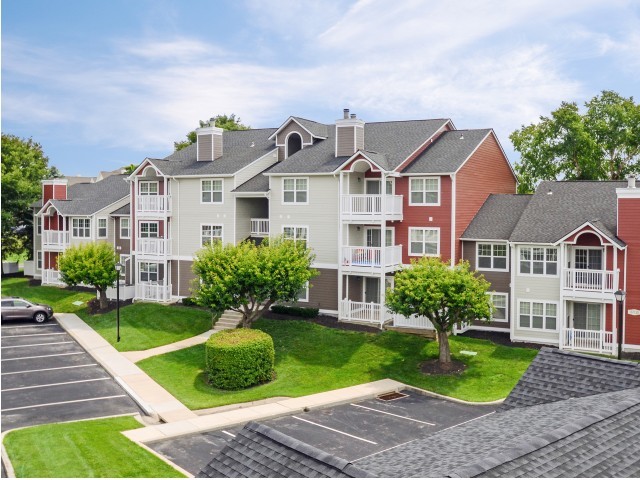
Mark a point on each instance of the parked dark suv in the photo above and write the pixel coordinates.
(18, 308)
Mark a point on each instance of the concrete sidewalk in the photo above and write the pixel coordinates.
(136, 356)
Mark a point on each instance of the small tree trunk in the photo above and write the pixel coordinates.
(443, 343)
(104, 303)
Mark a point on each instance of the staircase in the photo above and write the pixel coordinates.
(227, 321)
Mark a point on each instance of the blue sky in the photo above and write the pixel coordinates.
(101, 84)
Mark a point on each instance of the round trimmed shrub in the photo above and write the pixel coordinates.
(239, 358)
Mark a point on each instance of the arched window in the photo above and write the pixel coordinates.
(294, 143)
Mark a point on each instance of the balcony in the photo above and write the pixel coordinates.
(368, 259)
(260, 227)
(377, 314)
(152, 292)
(153, 205)
(597, 341)
(55, 239)
(370, 208)
(51, 277)
(153, 248)
(590, 281)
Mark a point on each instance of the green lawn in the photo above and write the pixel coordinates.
(60, 299)
(87, 449)
(311, 359)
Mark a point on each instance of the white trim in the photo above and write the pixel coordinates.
(41, 261)
(354, 158)
(286, 143)
(506, 257)
(547, 341)
(271, 152)
(128, 219)
(106, 227)
(83, 228)
(295, 190)
(286, 123)
(627, 192)
(596, 231)
(141, 222)
(437, 254)
(295, 227)
(538, 275)
(427, 204)
(38, 225)
(221, 191)
(306, 297)
(326, 266)
(139, 168)
(506, 307)
(531, 301)
(148, 182)
(212, 225)
(454, 202)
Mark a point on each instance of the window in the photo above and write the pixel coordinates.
(148, 188)
(492, 257)
(538, 315)
(211, 233)
(80, 227)
(303, 294)
(295, 190)
(124, 260)
(39, 260)
(125, 227)
(538, 261)
(148, 272)
(149, 229)
(499, 301)
(211, 191)
(295, 233)
(102, 228)
(38, 225)
(424, 241)
(424, 191)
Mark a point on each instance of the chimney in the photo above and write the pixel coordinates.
(349, 134)
(55, 188)
(631, 181)
(209, 140)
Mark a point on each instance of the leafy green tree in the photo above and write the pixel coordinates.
(446, 296)
(92, 264)
(128, 170)
(603, 143)
(249, 278)
(24, 165)
(227, 122)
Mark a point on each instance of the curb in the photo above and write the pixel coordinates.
(428, 393)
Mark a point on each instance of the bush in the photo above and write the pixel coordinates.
(189, 302)
(239, 358)
(304, 312)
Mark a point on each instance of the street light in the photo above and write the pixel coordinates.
(619, 298)
(118, 269)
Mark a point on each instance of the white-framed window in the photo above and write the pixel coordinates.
(38, 225)
(124, 259)
(373, 237)
(148, 272)
(81, 227)
(211, 191)
(295, 190)
(424, 191)
(424, 241)
(500, 307)
(297, 233)
(492, 256)
(538, 261)
(102, 228)
(125, 227)
(149, 229)
(39, 260)
(148, 188)
(303, 294)
(538, 315)
(210, 233)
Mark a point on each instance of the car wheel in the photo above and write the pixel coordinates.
(40, 317)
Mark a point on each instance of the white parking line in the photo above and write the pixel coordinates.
(42, 356)
(61, 403)
(37, 344)
(392, 414)
(334, 430)
(47, 369)
(228, 433)
(34, 334)
(30, 326)
(55, 384)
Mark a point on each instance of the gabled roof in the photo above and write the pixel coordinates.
(315, 129)
(259, 183)
(123, 211)
(497, 217)
(89, 198)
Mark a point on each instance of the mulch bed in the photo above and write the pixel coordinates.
(93, 306)
(434, 367)
(326, 321)
(501, 339)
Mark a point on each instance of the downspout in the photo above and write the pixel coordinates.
(453, 219)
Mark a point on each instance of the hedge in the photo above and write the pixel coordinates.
(239, 358)
(304, 312)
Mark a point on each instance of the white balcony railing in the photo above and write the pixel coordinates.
(153, 292)
(153, 247)
(351, 311)
(260, 227)
(590, 280)
(414, 321)
(55, 238)
(153, 204)
(588, 340)
(51, 277)
(371, 207)
(371, 257)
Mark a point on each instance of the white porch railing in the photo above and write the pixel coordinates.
(153, 292)
(29, 268)
(153, 247)
(414, 321)
(127, 292)
(371, 257)
(590, 280)
(153, 204)
(51, 277)
(260, 227)
(351, 311)
(55, 238)
(370, 207)
(588, 340)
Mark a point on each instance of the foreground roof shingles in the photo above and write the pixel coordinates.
(497, 217)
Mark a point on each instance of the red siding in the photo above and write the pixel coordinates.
(132, 209)
(50, 191)
(629, 231)
(422, 148)
(50, 260)
(487, 171)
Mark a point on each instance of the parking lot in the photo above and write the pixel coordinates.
(350, 431)
(47, 377)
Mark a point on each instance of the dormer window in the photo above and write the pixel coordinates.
(293, 144)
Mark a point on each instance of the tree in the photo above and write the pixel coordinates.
(603, 143)
(227, 122)
(446, 296)
(249, 278)
(24, 166)
(128, 170)
(92, 264)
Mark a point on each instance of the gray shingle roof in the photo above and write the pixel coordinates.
(259, 451)
(557, 375)
(448, 152)
(89, 198)
(316, 129)
(259, 183)
(558, 208)
(497, 217)
(122, 211)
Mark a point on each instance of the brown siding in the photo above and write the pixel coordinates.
(205, 146)
(500, 281)
(293, 127)
(629, 231)
(345, 141)
(355, 288)
(122, 243)
(324, 290)
(181, 277)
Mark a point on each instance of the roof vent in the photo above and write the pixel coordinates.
(353, 115)
(346, 113)
(462, 136)
(631, 181)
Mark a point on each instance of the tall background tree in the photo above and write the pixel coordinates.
(24, 165)
(600, 143)
(226, 122)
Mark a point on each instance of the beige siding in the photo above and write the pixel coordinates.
(359, 138)
(181, 277)
(217, 146)
(345, 141)
(256, 167)
(37, 245)
(246, 209)
(205, 145)
(293, 127)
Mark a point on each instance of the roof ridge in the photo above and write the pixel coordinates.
(409, 120)
(590, 357)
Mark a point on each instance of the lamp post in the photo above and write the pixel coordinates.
(118, 269)
(619, 298)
